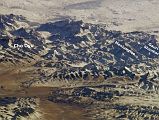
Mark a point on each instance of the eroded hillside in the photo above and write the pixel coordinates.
(109, 74)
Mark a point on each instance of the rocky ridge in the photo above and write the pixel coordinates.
(12, 108)
(101, 70)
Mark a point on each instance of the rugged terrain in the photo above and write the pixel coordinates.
(106, 74)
